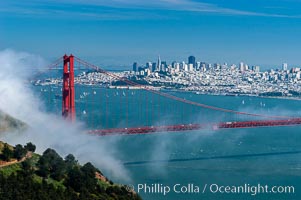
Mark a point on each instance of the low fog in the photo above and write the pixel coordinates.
(47, 130)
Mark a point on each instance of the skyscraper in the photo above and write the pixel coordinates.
(284, 66)
(191, 60)
(149, 66)
(159, 63)
(241, 66)
(135, 66)
(256, 68)
(154, 65)
(163, 66)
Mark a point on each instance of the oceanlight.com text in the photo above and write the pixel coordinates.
(192, 188)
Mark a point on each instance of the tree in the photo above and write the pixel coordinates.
(70, 161)
(89, 170)
(82, 178)
(75, 179)
(19, 152)
(27, 167)
(30, 147)
(7, 153)
(51, 163)
(89, 176)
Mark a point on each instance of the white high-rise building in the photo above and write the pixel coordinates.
(177, 67)
(284, 66)
(203, 67)
(159, 63)
(190, 67)
(183, 66)
(147, 72)
(173, 64)
(256, 68)
(198, 65)
(241, 66)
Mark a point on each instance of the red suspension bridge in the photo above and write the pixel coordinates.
(144, 103)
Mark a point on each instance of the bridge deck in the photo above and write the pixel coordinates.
(189, 127)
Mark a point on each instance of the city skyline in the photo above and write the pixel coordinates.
(196, 64)
(120, 32)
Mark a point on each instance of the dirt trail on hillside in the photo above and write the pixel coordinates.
(15, 161)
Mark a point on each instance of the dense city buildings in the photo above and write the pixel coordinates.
(203, 78)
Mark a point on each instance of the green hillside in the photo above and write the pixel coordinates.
(26, 175)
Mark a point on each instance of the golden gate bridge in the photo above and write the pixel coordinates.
(69, 106)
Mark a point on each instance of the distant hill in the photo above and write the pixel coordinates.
(9, 123)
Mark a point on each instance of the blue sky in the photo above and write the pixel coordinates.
(119, 32)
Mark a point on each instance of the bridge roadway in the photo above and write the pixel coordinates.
(189, 127)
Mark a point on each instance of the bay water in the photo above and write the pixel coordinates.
(194, 159)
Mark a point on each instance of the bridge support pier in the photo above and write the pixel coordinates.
(68, 103)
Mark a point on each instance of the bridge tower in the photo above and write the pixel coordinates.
(68, 103)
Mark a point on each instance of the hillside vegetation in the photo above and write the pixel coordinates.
(49, 176)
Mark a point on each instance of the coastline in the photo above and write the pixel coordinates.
(234, 95)
(184, 90)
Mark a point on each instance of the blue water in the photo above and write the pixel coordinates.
(226, 157)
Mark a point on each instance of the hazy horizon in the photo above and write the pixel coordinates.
(118, 33)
